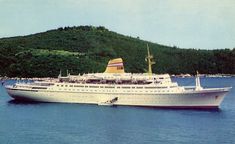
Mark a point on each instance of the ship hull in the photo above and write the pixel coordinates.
(210, 98)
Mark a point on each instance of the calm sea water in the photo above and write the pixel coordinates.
(53, 123)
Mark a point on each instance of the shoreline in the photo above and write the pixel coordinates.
(172, 76)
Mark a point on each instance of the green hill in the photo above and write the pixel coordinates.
(88, 49)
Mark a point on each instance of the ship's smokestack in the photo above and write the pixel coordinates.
(115, 66)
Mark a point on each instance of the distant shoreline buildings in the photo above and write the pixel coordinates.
(173, 76)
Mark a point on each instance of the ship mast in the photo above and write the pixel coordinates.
(150, 61)
(198, 84)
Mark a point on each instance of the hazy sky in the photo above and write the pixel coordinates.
(206, 24)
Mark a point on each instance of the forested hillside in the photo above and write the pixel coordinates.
(86, 49)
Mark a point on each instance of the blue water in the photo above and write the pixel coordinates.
(53, 123)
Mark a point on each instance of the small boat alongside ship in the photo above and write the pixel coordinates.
(115, 87)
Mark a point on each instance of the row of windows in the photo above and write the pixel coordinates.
(94, 90)
(124, 87)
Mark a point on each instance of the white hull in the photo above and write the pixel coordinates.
(115, 87)
(210, 98)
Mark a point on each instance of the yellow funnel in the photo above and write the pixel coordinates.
(115, 66)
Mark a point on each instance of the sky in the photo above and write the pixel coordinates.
(200, 24)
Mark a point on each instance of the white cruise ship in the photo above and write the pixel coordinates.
(115, 87)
